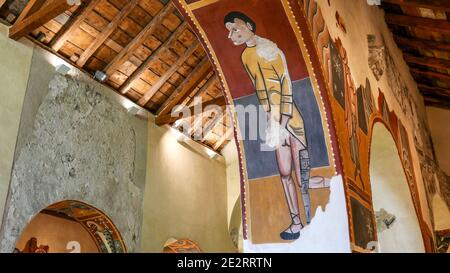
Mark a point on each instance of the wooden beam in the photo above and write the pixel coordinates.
(169, 118)
(441, 26)
(203, 89)
(166, 76)
(425, 89)
(443, 5)
(430, 74)
(64, 34)
(30, 8)
(49, 11)
(2, 2)
(144, 66)
(227, 136)
(129, 50)
(427, 61)
(419, 43)
(187, 86)
(436, 102)
(99, 40)
(212, 124)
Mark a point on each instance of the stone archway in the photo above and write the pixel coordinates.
(70, 227)
(398, 227)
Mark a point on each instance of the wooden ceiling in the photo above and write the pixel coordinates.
(147, 51)
(421, 29)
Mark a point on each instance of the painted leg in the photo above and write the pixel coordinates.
(284, 160)
(302, 173)
(305, 176)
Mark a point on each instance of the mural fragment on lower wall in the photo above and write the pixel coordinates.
(98, 225)
(283, 121)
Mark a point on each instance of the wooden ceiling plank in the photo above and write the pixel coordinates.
(427, 61)
(126, 52)
(432, 75)
(168, 118)
(155, 54)
(227, 136)
(64, 34)
(52, 9)
(166, 76)
(443, 5)
(441, 26)
(187, 86)
(420, 43)
(99, 40)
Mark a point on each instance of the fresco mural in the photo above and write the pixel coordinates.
(289, 161)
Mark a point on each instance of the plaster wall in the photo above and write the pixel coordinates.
(439, 119)
(15, 62)
(185, 195)
(390, 192)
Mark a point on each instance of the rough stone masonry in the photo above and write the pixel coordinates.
(83, 148)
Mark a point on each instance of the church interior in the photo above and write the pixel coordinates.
(224, 126)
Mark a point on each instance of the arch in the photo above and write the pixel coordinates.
(89, 230)
(399, 227)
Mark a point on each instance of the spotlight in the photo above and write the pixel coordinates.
(212, 154)
(62, 69)
(100, 76)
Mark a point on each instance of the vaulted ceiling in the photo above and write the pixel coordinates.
(421, 29)
(147, 51)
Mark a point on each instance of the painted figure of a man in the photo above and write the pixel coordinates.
(267, 68)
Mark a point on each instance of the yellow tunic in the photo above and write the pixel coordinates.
(274, 89)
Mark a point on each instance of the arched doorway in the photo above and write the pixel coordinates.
(398, 228)
(70, 227)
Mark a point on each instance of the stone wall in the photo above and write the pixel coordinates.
(82, 146)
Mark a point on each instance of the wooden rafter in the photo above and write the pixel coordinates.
(2, 2)
(166, 76)
(187, 86)
(441, 26)
(30, 22)
(431, 75)
(127, 51)
(99, 40)
(30, 8)
(428, 61)
(437, 102)
(425, 89)
(169, 118)
(210, 82)
(419, 43)
(144, 66)
(212, 124)
(227, 136)
(429, 4)
(64, 34)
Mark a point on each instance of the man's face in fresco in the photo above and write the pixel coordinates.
(239, 32)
